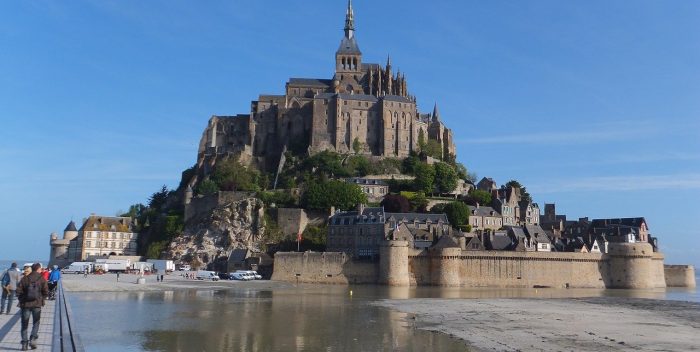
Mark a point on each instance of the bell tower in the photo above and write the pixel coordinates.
(348, 57)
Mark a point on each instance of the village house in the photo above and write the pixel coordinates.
(375, 189)
(483, 218)
(359, 232)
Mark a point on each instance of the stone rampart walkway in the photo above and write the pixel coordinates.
(10, 326)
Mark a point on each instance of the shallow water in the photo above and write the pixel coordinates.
(303, 318)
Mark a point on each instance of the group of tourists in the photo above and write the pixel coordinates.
(32, 287)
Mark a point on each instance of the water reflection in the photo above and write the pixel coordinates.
(303, 318)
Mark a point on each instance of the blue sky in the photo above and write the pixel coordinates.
(594, 105)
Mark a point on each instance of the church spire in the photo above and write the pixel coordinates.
(349, 21)
(436, 113)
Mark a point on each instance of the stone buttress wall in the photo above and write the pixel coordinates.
(657, 266)
(323, 267)
(510, 269)
(629, 265)
(679, 275)
(393, 263)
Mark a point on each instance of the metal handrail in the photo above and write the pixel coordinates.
(65, 338)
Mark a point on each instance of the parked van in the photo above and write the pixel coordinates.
(78, 268)
(207, 275)
(253, 275)
(239, 276)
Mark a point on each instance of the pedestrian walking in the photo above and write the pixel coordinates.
(117, 276)
(85, 272)
(31, 291)
(161, 277)
(54, 278)
(9, 287)
(45, 274)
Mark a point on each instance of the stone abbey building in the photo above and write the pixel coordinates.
(364, 107)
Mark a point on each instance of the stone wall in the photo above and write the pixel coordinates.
(291, 221)
(679, 275)
(325, 268)
(402, 266)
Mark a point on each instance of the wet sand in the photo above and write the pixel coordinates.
(127, 283)
(583, 324)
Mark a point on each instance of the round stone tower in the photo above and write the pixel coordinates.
(70, 232)
(445, 266)
(393, 263)
(630, 265)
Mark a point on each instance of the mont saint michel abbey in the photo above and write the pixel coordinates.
(364, 107)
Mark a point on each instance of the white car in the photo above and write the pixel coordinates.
(253, 275)
(239, 276)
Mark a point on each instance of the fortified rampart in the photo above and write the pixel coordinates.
(627, 266)
(679, 275)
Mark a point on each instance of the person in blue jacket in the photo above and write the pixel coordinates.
(54, 277)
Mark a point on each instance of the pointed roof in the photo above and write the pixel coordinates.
(436, 113)
(70, 227)
(348, 45)
(349, 21)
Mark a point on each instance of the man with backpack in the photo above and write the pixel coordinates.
(31, 291)
(9, 285)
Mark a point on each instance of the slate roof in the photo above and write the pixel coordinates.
(500, 242)
(70, 227)
(537, 233)
(420, 217)
(517, 232)
(348, 46)
(311, 82)
(366, 181)
(446, 242)
(482, 211)
(368, 216)
(400, 99)
(473, 240)
(620, 222)
(361, 97)
(238, 255)
(107, 223)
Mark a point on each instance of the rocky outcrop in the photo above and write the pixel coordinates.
(209, 238)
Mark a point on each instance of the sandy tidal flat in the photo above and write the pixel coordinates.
(590, 324)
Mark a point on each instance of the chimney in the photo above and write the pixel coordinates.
(477, 205)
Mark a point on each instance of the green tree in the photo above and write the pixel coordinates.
(425, 177)
(433, 149)
(356, 145)
(231, 175)
(445, 177)
(419, 202)
(157, 200)
(396, 203)
(207, 187)
(135, 211)
(408, 165)
(457, 213)
(524, 195)
(421, 140)
(321, 195)
(481, 197)
(155, 249)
